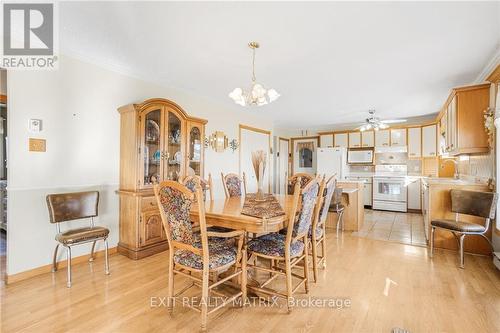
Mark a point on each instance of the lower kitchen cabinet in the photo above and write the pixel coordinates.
(414, 200)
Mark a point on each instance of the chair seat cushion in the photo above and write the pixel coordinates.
(334, 208)
(458, 225)
(218, 256)
(81, 234)
(274, 245)
(214, 243)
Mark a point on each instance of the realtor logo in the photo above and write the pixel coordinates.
(28, 36)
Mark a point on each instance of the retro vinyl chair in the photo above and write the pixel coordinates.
(481, 204)
(75, 206)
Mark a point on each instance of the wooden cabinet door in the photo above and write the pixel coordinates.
(398, 137)
(151, 228)
(340, 140)
(326, 140)
(368, 139)
(414, 142)
(429, 141)
(354, 139)
(382, 138)
(194, 149)
(151, 122)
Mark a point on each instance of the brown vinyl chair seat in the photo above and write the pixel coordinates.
(458, 225)
(82, 234)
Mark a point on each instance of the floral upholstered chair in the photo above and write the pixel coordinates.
(302, 178)
(234, 185)
(196, 255)
(191, 182)
(318, 237)
(290, 248)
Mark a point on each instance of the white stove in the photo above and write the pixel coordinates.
(389, 187)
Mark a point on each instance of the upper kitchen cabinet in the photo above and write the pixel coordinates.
(367, 139)
(354, 139)
(429, 147)
(398, 137)
(414, 142)
(382, 138)
(340, 140)
(462, 121)
(326, 140)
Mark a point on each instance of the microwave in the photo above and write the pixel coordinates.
(360, 156)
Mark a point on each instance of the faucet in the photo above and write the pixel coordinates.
(456, 175)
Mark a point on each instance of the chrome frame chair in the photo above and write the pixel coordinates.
(337, 207)
(175, 218)
(474, 203)
(242, 180)
(66, 207)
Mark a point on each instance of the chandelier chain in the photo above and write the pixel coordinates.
(253, 66)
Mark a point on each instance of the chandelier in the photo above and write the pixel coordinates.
(257, 95)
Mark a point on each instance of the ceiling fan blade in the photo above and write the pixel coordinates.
(393, 121)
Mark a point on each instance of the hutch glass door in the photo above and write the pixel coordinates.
(195, 151)
(174, 147)
(152, 147)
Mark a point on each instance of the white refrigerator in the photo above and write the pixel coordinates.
(332, 161)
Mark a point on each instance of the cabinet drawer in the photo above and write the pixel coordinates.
(149, 203)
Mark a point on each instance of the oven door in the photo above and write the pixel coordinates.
(389, 189)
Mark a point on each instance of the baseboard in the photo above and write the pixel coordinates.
(9, 279)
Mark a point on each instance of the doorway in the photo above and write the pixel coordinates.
(253, 139)
(283, 165)
(304, 155)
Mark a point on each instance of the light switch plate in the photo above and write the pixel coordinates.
(37, 145)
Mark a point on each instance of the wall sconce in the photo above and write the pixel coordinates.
(218, 141)
(233, 144)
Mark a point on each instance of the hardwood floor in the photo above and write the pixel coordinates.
(424, 296)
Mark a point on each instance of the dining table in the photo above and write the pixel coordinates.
(227, 212)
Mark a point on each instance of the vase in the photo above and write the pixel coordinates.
(260, 184)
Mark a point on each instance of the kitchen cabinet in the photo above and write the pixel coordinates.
(368, 139)
(382, 138)
(462, 121)
(367, 188)
(354, 139)
(414, 142)
(429, 141)
(414, 200)
(340, 140)
(398, 137)
(326, 140)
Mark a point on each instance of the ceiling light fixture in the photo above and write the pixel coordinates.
(257, 95)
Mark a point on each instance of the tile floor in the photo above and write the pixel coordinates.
(407, 228)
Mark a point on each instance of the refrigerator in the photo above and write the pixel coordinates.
(331, 161)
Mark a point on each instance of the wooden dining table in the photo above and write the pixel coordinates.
(227, 213)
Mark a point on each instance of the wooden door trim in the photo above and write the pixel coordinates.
(288, 155)
(261, 131)
(292, 145)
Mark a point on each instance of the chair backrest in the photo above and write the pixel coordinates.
(174, 201)
(302, 218)
(302, 178)
(337, 196)
(234, 185)
(191, 182)
(327, 193)
(482, 204)
(72, 206)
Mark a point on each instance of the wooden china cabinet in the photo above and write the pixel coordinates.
(158, 141)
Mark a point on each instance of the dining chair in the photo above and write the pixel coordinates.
(317, 232)
(289, 249)
(302, 178)
(66, 207)
(474, 203)
(191, 182)
(338, 208)
(195, 255)
(234, 185)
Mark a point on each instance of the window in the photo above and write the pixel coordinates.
(306, 157)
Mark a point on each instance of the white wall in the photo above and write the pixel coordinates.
(78, 106)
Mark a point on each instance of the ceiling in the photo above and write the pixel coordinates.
(330, 62)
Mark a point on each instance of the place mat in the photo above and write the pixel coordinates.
(262, 209)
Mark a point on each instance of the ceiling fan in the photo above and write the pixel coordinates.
(376, 124)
